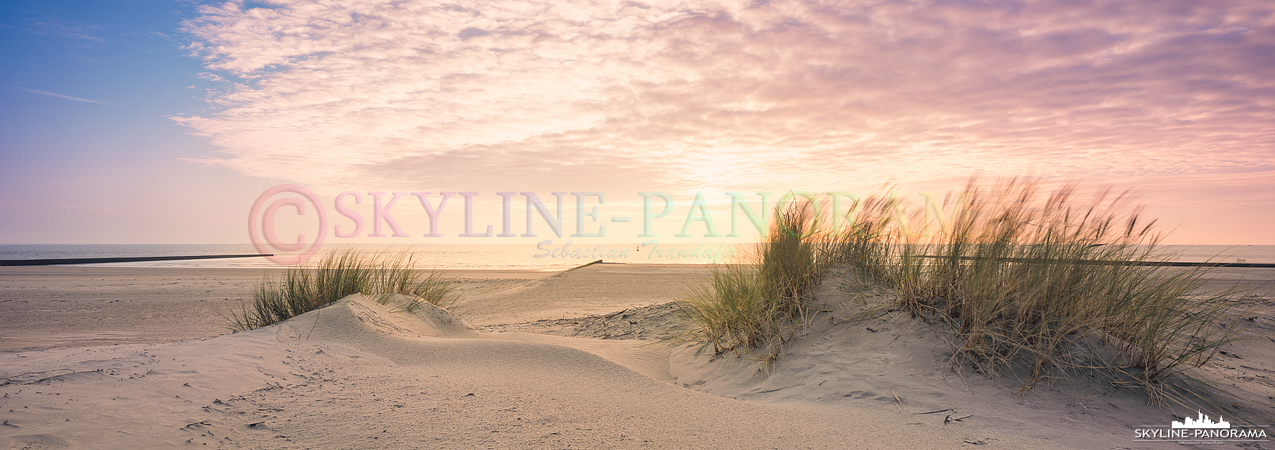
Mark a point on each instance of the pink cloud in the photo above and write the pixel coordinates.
(798, 93)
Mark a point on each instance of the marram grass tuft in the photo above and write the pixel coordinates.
(1024, 280)
(336, 276)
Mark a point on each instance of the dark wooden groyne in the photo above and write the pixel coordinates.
(1130, 263)
(64, 261)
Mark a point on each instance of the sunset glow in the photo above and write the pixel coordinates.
(1175, 100)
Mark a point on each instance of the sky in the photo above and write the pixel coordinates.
(145, 121)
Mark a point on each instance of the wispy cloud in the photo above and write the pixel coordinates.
(54, 94)
(62, 29)
(692, 94)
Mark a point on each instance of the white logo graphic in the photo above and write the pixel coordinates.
(1200, 430)
(1203, 422)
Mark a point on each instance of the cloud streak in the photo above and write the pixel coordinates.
(734, 95)
(54, 94)
(61, 29)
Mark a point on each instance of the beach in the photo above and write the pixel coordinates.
(542, 224)
(108, 357)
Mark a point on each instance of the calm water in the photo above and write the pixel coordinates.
(520, 256)
(560, 255)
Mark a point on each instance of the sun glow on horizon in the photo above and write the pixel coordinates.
(678, 96)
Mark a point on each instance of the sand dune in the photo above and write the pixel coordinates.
(355, 375)
(359, 374)
(596, 289)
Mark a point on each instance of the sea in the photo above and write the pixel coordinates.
(555, 256)
(558, 256)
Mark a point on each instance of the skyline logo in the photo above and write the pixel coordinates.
(1202, 422)
(1201, 430)
(519, 214)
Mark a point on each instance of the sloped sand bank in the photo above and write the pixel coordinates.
(360, 375)
(356, 375)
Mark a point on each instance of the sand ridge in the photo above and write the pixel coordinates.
(362, 374)
(353, 375)
(595, 289)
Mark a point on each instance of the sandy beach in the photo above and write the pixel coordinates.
(707, 224)
(112, 357)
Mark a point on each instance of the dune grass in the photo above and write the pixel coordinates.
(1026, 282)
(337, 275)
(1024, 279)
(757, 302)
